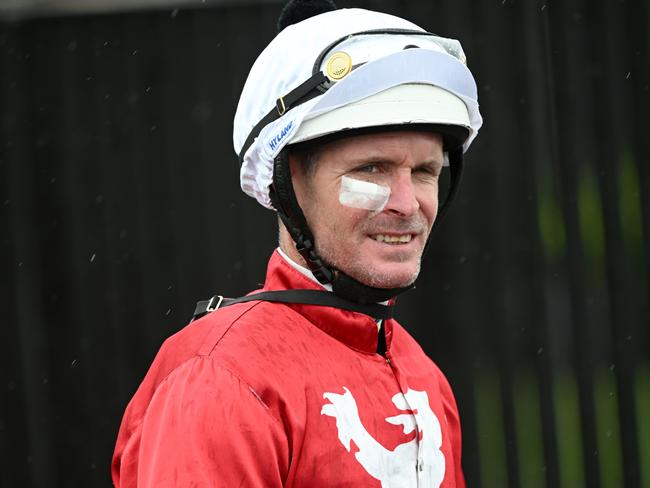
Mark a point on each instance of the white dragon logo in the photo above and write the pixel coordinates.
(397, 468)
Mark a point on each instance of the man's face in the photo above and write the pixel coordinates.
(380, 249)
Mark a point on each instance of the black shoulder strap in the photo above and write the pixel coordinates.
(311, 297)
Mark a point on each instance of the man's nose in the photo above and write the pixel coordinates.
(402, 199)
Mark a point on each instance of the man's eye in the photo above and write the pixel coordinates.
(428, 171)
(369, 168)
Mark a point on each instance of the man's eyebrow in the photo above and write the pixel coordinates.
(374, 159)
(379, 159)
(437, 163)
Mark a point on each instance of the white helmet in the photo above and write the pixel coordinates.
(344, 70)
(370, 80)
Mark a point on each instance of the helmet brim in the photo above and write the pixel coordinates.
(407, 104)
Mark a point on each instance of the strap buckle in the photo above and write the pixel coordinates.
(279, 104)
(210, 308)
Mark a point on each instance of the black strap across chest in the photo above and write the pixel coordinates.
(310, 297)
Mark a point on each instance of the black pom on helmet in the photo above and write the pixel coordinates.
(298, 10)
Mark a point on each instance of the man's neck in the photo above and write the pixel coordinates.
(301, 269)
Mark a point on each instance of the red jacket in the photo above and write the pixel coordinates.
(263, 394)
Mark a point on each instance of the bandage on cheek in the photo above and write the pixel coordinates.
(363, 194)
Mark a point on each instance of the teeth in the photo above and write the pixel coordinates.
(392, 239)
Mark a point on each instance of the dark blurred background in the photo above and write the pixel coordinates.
(120, 208)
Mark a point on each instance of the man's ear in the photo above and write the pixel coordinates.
(297, 175)
(294, 163)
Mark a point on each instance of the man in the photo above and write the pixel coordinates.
(343, 127)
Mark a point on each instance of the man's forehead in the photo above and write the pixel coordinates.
(379, 142)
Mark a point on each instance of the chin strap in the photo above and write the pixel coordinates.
(285, 202)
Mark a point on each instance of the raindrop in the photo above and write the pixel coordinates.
(170, 286)
(627, 76)
(72, 45)
(73, 364)
(169, 310)
(612, 367)
(543, 7)
(20, 264)
(148, 89)
(105, 43)
(153, 128)
(174, 13)
(99, 199)
(92, 258)
(52, 180)
(134, 52)
(540, 351)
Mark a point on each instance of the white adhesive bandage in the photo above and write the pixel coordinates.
(363, 194)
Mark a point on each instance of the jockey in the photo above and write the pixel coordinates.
(343, 128)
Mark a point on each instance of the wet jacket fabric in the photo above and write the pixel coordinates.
(263, 394)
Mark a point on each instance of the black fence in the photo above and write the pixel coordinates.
(120, 207)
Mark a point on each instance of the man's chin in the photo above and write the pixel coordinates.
(376, 273)
(392, 283)
(385, 278)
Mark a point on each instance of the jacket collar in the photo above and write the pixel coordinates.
(354, 329)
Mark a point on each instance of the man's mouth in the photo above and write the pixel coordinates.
(392, 238)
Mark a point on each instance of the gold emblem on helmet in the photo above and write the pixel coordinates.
(338, 65)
